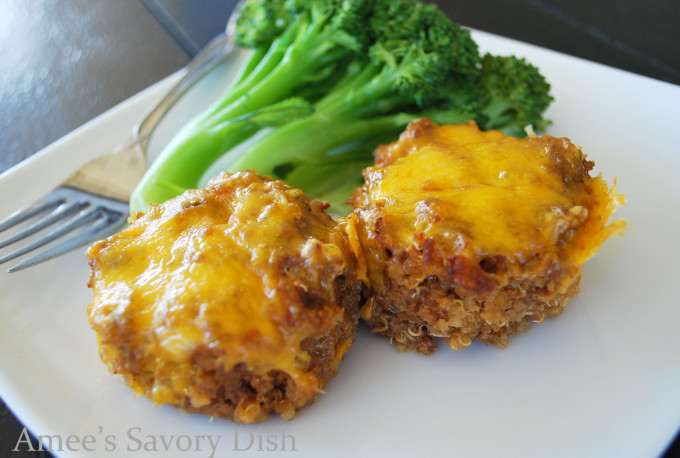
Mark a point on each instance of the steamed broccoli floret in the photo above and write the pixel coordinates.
(367, 68)
(293, 41)
(260, 22)
(416, 51)
(514, 95)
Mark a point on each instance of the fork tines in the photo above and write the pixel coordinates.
(66, 211)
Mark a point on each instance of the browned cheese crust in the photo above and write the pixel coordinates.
(235, 301)
(467, 235)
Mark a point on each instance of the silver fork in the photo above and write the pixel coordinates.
(93, 202)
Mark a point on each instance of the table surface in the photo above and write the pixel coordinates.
(66, 62)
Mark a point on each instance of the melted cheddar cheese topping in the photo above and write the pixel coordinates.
(495, 193)
(217, 271)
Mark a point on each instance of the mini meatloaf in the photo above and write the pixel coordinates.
(465, 235)
(235, 301)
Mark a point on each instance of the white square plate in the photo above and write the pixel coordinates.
(603, 379)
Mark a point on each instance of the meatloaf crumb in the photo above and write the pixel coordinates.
(465, 235)
(236, 301)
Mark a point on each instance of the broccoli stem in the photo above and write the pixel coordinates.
(369, 67)
(344, 89)
(182, 163)
(497, 113)
(269, 78)
(319, 134)
(247, 68)
(346, 114)
(258, 66)
(334, 177)
(299, 51)
(369, 93)
(332, 182)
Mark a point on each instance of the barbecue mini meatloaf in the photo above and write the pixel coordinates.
(465, 235)
(236, 301)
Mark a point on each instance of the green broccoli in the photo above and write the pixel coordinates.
(293, 42)
(514, 95)
(416, 50)
(367, 68)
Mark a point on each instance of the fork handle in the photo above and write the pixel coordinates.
(114, 175)
(215, 52)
